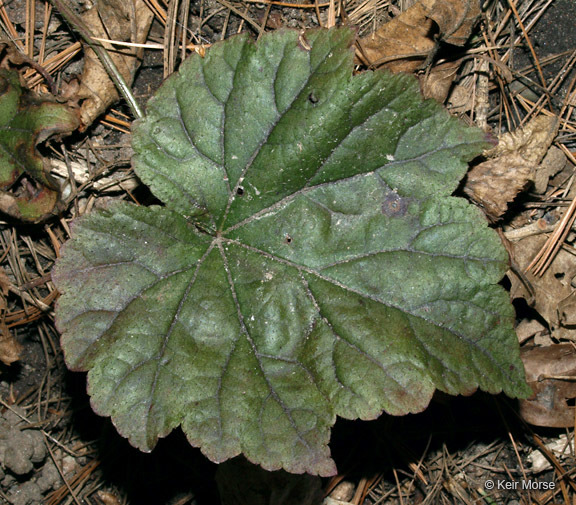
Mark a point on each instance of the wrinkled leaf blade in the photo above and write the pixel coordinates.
(310, 261)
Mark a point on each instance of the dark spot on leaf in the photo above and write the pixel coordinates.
(394, 205)
(312, 98)
(240, 191)
(287, 239)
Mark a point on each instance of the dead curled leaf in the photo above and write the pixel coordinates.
(567, 310)
(553, 294)
(494, 183)
(550, 372)
(27, 191)
(113, 20)
(5, 284)
(553, 163)
(9, 347)
(11, 56)
(404, 43)
(437, 83)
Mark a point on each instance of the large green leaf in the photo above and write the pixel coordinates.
(309, 262)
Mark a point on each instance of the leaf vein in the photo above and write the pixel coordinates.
(273, 393)
(189, 135)
(175, 317)
(338, 337)
(405, 309)
(267, 135)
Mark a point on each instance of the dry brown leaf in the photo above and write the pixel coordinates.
(12, 56)
(494, 183)
(531, 141)
(460, 99)
(5, 282)
(9, 347)
(567, 310)
(404, 43)
(114, 20)
(344, 491)
(455, 18)
(553, 162)
(438, 82)
(108, 498)
(549, 371)
(553, 294)
(529, 328)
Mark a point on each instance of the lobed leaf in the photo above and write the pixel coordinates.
(309, 262)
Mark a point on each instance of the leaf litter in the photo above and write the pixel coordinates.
(119, 21)
(481, 90)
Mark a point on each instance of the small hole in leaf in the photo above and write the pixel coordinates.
(240, 191)
(287, 239)
(312, 98)
(559, 275)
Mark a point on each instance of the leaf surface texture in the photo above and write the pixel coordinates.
(309, 261)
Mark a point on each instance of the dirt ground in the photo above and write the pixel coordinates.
(55, 450)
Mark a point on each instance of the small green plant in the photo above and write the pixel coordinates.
(309, 260)
(25, 121)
